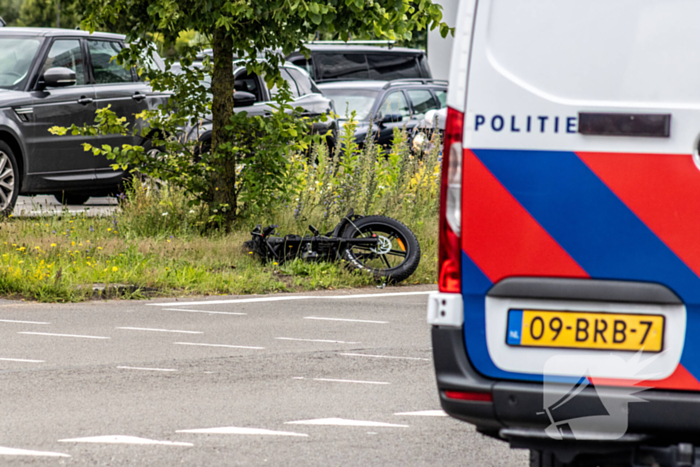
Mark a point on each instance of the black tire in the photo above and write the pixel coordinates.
(9, 179)
(71, 198)
(549, 459)
(395, 260)
(544, 459)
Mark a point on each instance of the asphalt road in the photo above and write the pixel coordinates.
(335, 378)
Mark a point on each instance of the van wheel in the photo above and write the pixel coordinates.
(546, 459)
(9, 179)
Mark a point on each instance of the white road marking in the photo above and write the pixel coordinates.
(292, 297)
(344, 422)
(315, 340)
(161, 330)
(347, 320)
(144, 369)
(21, 360)
(22, 322)
(234, 430)
(209, 312)
(25, 452)
(221, 345)
(425, 413)
(120, 439)
(62, 335)
(382, 356)
(298, 377)
(371, 432)
(349, 381)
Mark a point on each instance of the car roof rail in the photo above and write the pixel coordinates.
(400, 81)
(388, 43)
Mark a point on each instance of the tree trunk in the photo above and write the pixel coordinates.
(223, 182)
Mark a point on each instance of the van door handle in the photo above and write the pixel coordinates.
(138, 96)
(85, 100)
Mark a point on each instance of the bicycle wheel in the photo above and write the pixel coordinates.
(396, 255)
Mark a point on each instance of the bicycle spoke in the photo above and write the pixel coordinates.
(386, 261)
(397, 253)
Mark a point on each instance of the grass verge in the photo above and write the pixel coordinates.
(155, 240)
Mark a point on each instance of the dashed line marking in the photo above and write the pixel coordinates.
(121, 439)
(235, 430)
(23, 360)
(26, 452)
(425, 413)
(62, 335)
(349, 381)
(208, 312)
(292, 297)
(315, 340)
(22, 322)
(382, 356)
(344, 422)
(221, 345)
(346, 320)
(161, 330)
(144, 369)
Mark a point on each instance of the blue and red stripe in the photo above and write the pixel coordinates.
(555, 214)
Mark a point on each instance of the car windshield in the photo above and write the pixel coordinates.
(346, 101)
(16, 56)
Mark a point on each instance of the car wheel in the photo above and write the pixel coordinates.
(9, 179)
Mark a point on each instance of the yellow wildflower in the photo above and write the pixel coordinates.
(53, 245)
(114, 269)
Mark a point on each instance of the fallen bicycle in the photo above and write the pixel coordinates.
(380, 245)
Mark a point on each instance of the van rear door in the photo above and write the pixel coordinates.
(581, 190)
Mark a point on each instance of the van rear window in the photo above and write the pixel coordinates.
(341, 66)
(380, 66)
(598, 50)
(388, 66)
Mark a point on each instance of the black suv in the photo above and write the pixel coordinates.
(386, 105)
(340, 61)
(55, 77)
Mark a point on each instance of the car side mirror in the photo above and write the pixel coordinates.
(243, 99)
(58, 77)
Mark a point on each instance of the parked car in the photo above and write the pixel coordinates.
(56, 77)
(340, 61)
(383, 106)
(254, 97)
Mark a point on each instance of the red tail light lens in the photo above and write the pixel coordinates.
(469, 396)
(449, 255)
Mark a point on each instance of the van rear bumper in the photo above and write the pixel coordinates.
(516, 412)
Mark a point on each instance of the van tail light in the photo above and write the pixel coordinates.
(449, 252)
(469, 396)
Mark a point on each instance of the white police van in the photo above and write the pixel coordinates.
(568, 318)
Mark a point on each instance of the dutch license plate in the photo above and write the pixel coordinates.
(585, 330)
